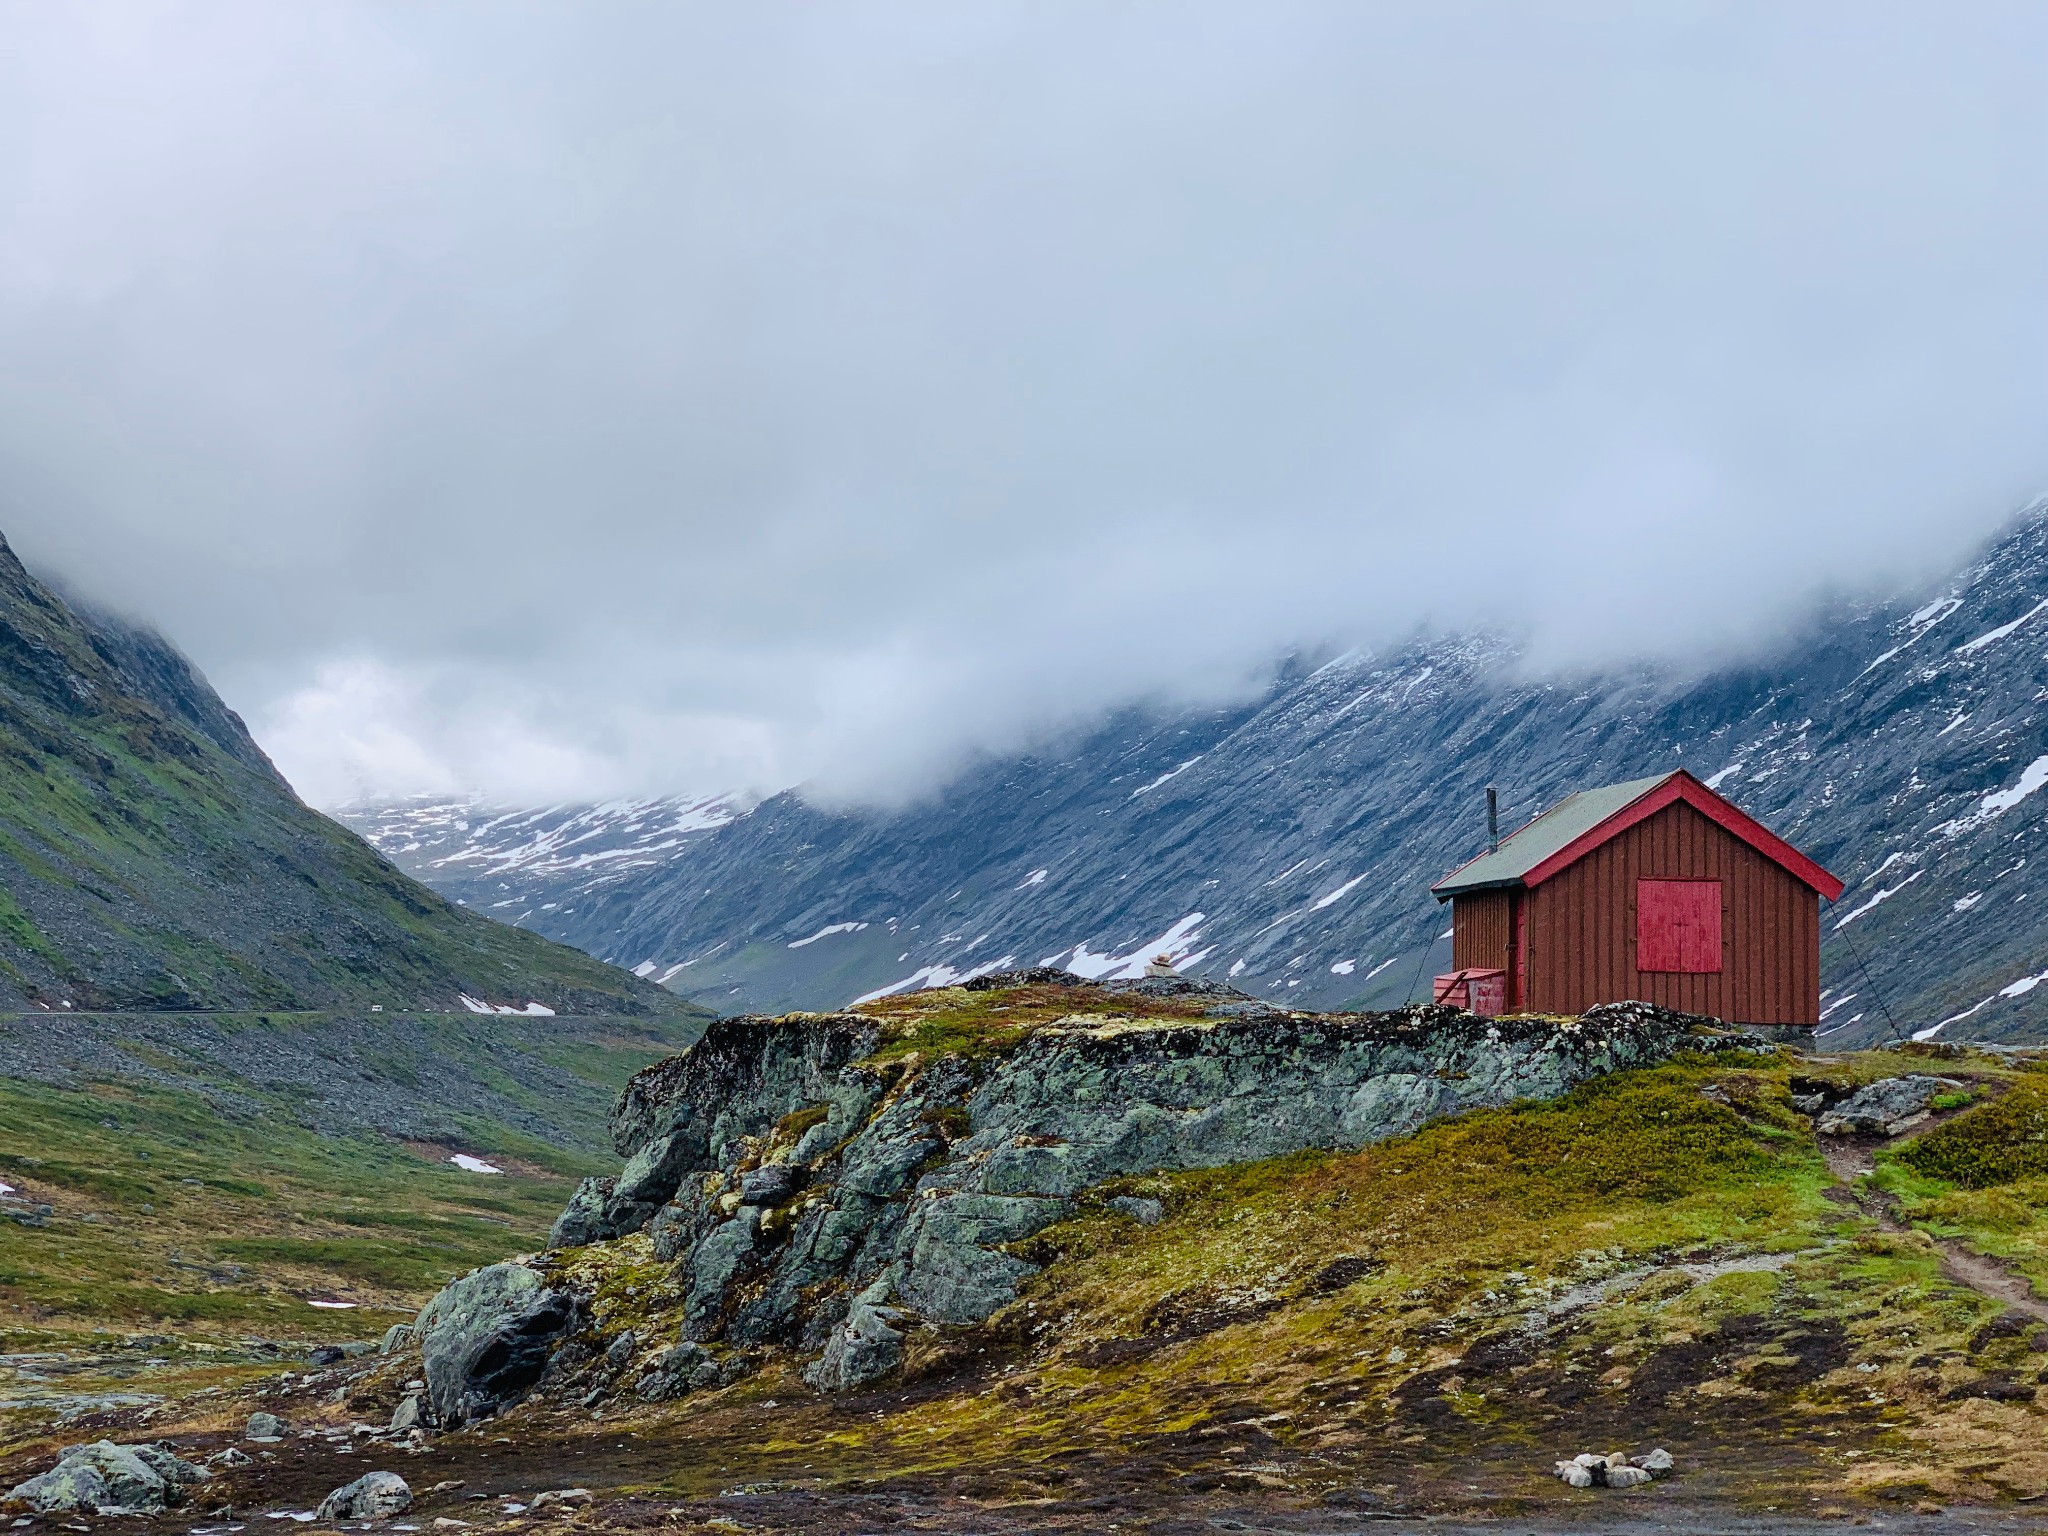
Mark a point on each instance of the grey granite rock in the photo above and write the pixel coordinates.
(861, 1349)
(1888, 1107)
(583, 1218)
(146, 1479)
(265, 1426)
(373, 1496)
(685, 1368)
(486, 1338)
(1146, 1212)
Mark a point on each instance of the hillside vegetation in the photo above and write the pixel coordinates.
(152, 858)
(177, 1191)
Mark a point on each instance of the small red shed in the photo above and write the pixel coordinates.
(1657, 890)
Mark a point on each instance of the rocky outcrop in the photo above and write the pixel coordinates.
(104, 1477)
(819, 1192)
(1889, 1107)
(486, 1339)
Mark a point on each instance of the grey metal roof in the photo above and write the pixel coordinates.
(1522, 850)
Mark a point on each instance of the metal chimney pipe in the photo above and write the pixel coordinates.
(1492, 820)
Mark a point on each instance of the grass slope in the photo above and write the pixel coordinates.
(151, 857)
(197, 1212)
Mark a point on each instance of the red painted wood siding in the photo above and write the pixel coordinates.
(1678, 925)
(1581, 928)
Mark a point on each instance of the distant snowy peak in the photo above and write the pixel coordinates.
(513, 862)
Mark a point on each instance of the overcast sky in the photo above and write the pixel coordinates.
(576, 399)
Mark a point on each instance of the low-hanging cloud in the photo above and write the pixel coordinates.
(584, 399)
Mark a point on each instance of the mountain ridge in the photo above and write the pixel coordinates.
(152, 856)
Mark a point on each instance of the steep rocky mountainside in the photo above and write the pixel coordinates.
(152, 858)
(1287, 844)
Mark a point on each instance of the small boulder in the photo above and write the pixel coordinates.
(398, 1336)
(486, 1338)
(1145, 1212)
(409, 1414)
(582, 1220)
(373, 1496)
(1616, 1469)
(864, 1347)
(1888, 1107)
(685, 1368)
(772, 1183)
(146, 1479)
(265, 1426)
(559, 1498)
(620, 1350)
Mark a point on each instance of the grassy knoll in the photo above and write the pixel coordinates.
(1661, 1256)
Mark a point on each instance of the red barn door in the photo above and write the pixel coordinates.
(1678, 925)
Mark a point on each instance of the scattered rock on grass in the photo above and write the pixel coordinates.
(144, 1479)
(1145, 1212)
(1888, 1107)
(560, 1497)
(1615, 1469)
(372, 1496)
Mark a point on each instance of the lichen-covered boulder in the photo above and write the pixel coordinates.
(582, 1219)
(486, 1339)
(685, 1368)
(373, 1496)
(863, 1348)
(1889, 1107)
(103, 1475)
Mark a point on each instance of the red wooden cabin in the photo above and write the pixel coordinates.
(1658, 890)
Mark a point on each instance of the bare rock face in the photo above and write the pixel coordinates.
(816, 1193)
(486, 1339)
(582, 1219)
